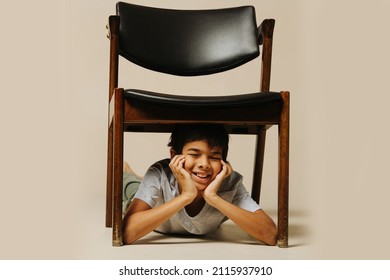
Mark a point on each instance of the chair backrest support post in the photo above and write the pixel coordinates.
(113, 26)
(267, 29)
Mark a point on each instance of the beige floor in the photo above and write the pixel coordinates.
(72, 227)
(228, 242)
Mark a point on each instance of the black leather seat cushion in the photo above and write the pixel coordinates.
(227, 101)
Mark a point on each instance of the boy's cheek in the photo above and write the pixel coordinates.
(187, 164)
(186, 167)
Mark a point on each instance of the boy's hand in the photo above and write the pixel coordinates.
(186, 185)
(211, 191)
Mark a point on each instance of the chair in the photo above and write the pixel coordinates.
(192, 43)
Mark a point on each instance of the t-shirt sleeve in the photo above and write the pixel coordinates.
(243, 199)
(150, 187)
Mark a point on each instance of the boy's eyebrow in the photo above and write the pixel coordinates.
(194, 149)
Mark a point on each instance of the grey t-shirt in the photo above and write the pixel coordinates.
(160, 186)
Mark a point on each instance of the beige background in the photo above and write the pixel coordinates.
(333, 57)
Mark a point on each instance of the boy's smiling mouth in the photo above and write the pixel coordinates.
(202, 178)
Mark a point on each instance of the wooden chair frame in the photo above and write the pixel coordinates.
(123, 117)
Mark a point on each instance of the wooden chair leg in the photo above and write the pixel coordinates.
(258, 167)
(109, 178)
(117, 167)
(283, 172)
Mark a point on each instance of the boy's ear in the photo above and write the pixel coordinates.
(172, 152)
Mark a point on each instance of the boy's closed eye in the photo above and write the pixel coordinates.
(193, 155)
(216, 158)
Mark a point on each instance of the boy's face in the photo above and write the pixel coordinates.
(202, 162)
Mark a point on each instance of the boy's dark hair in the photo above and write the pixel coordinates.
(215, 135)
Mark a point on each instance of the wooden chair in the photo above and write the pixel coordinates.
(192, 43)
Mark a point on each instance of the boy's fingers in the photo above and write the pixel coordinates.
(176, 160)
(177, 166)
(227, 168)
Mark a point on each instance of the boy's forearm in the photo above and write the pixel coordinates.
(257, 224)
(139, 224)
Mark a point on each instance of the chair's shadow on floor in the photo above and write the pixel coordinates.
(231, 233)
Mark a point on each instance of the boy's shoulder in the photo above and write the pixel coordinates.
(161, 164)
(159, 174)
(232, 182)
(159, 168)
(235, 177)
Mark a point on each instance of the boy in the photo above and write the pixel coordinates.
(195, 191)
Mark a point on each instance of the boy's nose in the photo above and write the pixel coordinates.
(203, 162)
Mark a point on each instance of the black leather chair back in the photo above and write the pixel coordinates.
(187, 42)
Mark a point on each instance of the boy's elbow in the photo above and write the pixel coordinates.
(127, 241)
(271, 237)
(128, 237)
(128, 234)
(270, 234)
